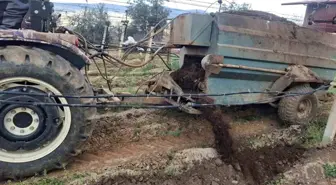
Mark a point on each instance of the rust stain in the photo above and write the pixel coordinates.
(57, 39)
(303, 74)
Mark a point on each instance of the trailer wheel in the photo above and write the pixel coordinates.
(36, 139)
(298, 110)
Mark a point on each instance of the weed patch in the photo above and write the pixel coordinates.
(44, 181)
(330, 170)
(314, 132)
(176, 133)
(175, 63)
(248, 118)
(147, 68)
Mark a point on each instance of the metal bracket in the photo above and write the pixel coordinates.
(166, 82)
(211, 63)
(184, 108)
(108, 92)
(40, 15)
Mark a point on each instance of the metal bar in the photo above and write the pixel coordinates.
(161, 95)
(251, 68)
(122, 37)
(104, 37)
(279, 56)
(149, 106)
(150, 42)
(330, 130)
(168, 57)
(310, 2)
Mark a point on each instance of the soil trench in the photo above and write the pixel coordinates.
(259, 166)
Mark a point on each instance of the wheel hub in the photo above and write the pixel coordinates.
(27, 127)
(304, 108)
(21, 121)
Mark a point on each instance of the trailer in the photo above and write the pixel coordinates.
(255, 53)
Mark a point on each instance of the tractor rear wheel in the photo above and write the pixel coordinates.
(36, 139)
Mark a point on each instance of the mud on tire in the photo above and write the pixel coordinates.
(64, 136)
(298, 110)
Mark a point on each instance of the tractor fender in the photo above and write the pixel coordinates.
(296, 74)
(64, 45)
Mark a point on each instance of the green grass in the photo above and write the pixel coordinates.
(147, 68)
(171, 172)
(330, 170)
(44, 181)
(124, 71)
(314, 132)
(248, 118)
(131, 90)
(277, 181)
(175, 63)
(175, 133)
(79, 176)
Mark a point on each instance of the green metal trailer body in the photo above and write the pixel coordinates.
(251, 53)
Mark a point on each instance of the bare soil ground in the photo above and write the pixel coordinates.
(168, 147)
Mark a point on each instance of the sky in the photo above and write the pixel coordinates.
(272, 6)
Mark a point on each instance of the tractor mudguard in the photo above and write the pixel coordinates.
(64, 45)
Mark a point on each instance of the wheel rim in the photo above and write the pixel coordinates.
(21, 121)
(304, 108)
(22, 156)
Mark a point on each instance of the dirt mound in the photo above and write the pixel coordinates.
(121, 137)
(258, 165)
(261, 15)
(212, 173)
(262, 165)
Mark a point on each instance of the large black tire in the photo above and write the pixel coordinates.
(35, 63)
(298, 110)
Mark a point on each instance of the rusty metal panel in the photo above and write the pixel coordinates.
(275, 41)
(231, 80)
(191, 30)
(321, 12)
(250, 38)
(258, 45)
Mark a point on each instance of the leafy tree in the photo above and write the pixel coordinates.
(91, 24)
(234, 6)
(144, 14)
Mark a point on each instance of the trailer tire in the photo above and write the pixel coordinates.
(60, 132)
(298, 110)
